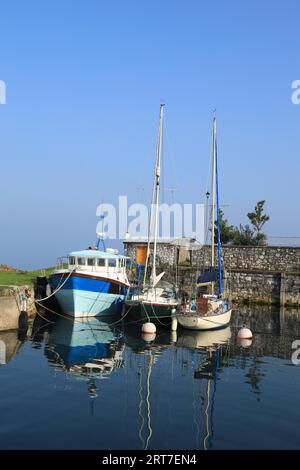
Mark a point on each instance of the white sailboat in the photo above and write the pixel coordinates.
(210, 310)
(153, 302)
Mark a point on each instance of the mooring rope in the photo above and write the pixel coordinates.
(82, 319)
(163, 316)
(59, 286)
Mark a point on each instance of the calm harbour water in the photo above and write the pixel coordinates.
(91, 386)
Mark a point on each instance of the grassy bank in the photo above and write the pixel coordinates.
(21, 279)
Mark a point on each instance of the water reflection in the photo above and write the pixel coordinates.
(85, 349)
(12, 340)
(92, 349)
(9, 345)
(169, 382)
(202, 339)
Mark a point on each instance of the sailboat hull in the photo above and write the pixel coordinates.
(157, 313)
(209, 322)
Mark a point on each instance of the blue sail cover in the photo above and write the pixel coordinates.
(208, 276)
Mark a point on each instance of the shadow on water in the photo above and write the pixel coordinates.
(160, 366)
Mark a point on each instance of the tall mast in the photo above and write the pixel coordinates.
(157, 189)
(218, 226)
(155, 200)
(213, 215)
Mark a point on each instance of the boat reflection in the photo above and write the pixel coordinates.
(206, 372)
(85, 349)
(202, 339)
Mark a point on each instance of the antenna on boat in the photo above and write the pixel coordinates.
(101, 235)
(100, 240)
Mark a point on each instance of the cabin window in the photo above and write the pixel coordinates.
(91, 262)
(101, 262)
(112, 263)
(82, 261)
(72, 260)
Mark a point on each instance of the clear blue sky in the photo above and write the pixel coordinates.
(84, 81)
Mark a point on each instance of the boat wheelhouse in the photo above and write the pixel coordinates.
(91, 283)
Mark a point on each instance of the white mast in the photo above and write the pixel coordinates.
(213, 215)
(155, 200)
(157, 188)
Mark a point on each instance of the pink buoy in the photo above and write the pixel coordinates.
(244, 333)
(148, 328)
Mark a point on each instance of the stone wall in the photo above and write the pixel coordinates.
(266, 274)
(265, 258)
(292, 288)
(10, 307)
(264, 287)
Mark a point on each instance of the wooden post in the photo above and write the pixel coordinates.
(282, 289)
(225, 274)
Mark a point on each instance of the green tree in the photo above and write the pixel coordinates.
(227, 231)
(258, 219)
(244, 235)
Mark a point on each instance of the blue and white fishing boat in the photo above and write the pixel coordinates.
(91, 283)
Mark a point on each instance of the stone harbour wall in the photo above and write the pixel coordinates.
(264, 274)
(263, 287)
(265, 258)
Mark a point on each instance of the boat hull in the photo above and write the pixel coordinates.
(86, 296)
(208, 322)
(157, 313)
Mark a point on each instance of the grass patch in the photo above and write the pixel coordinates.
(21, 279)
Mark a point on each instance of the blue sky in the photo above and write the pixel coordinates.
(84, 82)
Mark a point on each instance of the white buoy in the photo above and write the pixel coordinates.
(174, 324)
(245, 343)
(173, 336)
(149, 328)
(244, 333)
(148, 337)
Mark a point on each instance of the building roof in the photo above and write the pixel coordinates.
(184, 241)
(96, 254)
